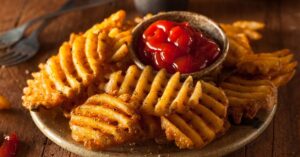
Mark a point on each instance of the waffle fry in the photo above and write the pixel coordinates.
(248, 28)
(155, 94)
(114, 20)
(278, 66)
(238, 35)
(79, 63)
(103, 121)
(151, 127)
(282, 79)
(41, 90)
(246, 97)
(136, 105)
(200, 125)
(239, 47)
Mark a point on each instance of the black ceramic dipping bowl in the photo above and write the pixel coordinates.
(155, 6)
(197, 21)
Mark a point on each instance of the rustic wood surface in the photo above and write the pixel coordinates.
(282, 18)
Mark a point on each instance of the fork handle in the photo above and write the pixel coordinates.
(69, 7)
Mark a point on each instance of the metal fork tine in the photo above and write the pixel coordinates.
(24, 58)
(9, 57)
(13, 60)
(5, 54)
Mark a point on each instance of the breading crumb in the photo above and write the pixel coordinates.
(27, 71)
(4, 104)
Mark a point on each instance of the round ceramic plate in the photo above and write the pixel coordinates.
(55, 126)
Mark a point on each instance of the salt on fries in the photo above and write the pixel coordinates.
(202, 123)
(103, 121)
(247, 96)
(78, 64)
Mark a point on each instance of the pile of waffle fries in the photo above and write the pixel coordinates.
(110, 101)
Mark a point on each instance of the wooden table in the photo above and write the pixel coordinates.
(282, 18)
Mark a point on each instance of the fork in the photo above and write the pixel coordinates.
(14, 35)
(24, 49)
(29, 46)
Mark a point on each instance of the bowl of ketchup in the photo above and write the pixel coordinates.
(179, 41)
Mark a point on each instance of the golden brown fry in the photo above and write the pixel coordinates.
(119, 41)
(151, 127)
(283, 79)
(152, 93)
(238, 35)
(267, 63)
(156, 94)
(79, 63)
(41, 90)
(278, 66)
(252, 25)
(114, 20)
(140, 19)
(239, 47)
(248, 28)
(246, 97)
(103, 121)
(202, 123)
(4, 103)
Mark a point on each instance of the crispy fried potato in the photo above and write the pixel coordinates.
(202, 123)
(140, 19)
(239, 47)
(270, 70)
(4, 103)
(79, 63)
(238, 35)
(282, 79)
(280, 61)
(146, 90)
(249, 28)
(119, 44)
(151, 127)
(278, 66)
(103, 121)
(41, 90)
(247, 96)
(114, 20)
(156, 94)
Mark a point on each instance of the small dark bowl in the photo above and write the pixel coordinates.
(155, 6)
(197, 21)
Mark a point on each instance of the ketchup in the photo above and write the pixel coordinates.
(177, 47)
(9, 146)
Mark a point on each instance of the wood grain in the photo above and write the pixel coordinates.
(282, 18)
(287, 120)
